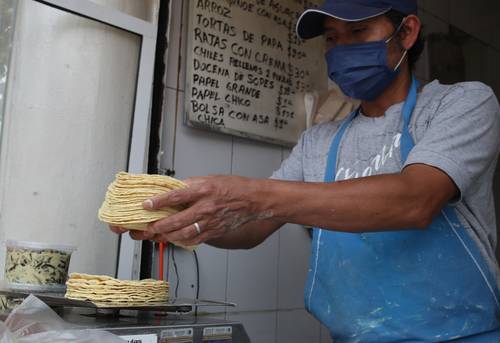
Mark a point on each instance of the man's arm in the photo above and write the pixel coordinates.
(407, 200)
(247, 236)
(220, 204)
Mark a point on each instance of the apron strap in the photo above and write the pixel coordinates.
(406, 140)
(331, 165)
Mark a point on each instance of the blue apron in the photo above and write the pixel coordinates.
(428, 285)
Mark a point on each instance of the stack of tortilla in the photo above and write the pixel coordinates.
(122, 205)
(105, 291)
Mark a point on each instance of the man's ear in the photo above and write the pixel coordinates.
(410, 30)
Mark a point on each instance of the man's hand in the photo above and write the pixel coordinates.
(134, 234)
(219, 204)
(118, 230)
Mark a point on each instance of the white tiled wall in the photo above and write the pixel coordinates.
(260, 326)
(293, 261)
(476, 18)
(440, 8)
(295, 327)
(252, 276)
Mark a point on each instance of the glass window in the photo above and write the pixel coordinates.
(69, 125)
(7, 17)
(145, 9)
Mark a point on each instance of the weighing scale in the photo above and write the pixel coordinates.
(170, 322)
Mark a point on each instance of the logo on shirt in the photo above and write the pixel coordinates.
(376, 163)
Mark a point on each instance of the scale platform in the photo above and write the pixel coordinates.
(172, 322)
(173, 305)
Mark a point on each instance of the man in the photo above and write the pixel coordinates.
(400, 192)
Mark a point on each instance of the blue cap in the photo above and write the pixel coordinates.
(310, 23)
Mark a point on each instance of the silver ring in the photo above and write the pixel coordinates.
(197, 228)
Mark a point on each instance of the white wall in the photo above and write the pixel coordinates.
(267, 281)
(67, 125)
(476, 18)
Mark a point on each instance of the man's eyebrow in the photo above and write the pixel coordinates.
(329, 29)
(356, 23)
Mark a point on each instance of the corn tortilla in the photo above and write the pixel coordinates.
(122, 205)
(104, 290)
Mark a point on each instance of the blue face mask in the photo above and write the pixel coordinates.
(361, 70)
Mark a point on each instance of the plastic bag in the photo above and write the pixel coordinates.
(33, 321)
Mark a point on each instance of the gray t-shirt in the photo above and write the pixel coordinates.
(456, 128)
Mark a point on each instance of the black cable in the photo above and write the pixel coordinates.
(176, 272)
(158, 91)
(197, 281)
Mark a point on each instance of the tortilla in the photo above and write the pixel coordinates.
(122, 205)
(105, 291)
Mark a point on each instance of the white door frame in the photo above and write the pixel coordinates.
(130, 251)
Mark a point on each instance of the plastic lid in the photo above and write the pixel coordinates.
(39, 246)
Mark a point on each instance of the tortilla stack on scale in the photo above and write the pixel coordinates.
(105, 291)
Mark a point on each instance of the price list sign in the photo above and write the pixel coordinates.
(247, 71)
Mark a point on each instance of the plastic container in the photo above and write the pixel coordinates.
(36, 267)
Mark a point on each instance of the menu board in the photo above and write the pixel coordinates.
(247, 71)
